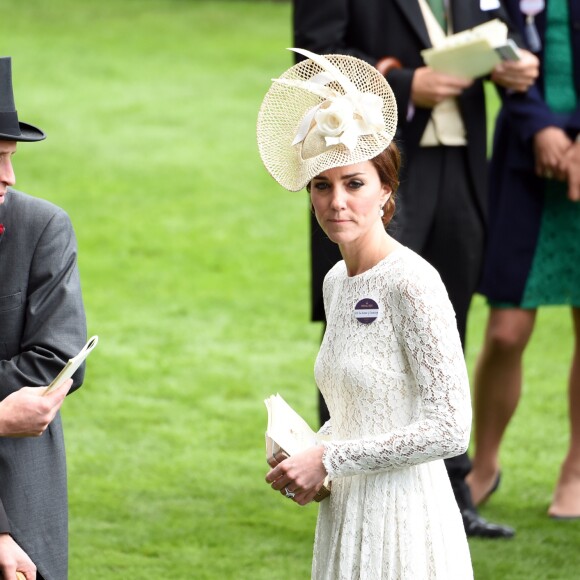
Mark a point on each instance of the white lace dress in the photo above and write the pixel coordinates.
(398, 395)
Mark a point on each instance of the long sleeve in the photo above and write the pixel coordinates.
(531, 114)
(48, 325)
(326, 429)
(529, 111)
(427, 333)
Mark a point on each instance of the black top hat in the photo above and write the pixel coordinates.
(10, 128)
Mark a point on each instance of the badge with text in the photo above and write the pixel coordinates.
(366, 310)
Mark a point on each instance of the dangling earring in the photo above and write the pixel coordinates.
(382, 211)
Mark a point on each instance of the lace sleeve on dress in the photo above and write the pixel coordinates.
(428, 334)
(325, 430)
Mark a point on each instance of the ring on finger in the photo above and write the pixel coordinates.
(289, 494)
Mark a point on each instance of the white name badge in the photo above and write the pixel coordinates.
(532, 7)
(366, 310)
(486, 5)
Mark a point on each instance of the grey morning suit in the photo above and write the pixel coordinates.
(42, 325)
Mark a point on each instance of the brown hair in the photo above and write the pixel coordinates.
(388, 163)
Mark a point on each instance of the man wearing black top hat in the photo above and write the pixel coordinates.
(42, 325)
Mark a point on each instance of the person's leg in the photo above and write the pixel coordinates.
(497, 389)
(566, 501)
(454, 247)
(457, 468)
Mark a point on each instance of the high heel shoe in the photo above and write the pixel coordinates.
(492, 489)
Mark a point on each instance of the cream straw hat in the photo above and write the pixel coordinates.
(324, 112)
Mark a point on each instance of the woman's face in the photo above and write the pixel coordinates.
(347, 201)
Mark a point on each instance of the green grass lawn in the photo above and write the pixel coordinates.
(195, 275)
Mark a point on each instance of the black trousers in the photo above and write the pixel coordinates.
(439, 218)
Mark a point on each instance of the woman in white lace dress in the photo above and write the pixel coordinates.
(390, 367)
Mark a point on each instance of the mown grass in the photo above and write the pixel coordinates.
(195, 275)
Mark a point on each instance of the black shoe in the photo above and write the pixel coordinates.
(477, 527)
(493, 488)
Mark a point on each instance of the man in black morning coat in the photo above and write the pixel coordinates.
(441, 203)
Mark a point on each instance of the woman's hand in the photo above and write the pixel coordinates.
(570, 166)
(302, 474)
(550, 147)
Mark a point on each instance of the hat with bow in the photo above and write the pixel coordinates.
(324, 112)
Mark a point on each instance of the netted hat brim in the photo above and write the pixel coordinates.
(284, 108)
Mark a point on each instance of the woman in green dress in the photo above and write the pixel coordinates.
(533, 248)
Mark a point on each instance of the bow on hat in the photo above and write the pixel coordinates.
(325, 111)
(340, 118)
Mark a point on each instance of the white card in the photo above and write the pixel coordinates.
(486, 5)
(72, 365)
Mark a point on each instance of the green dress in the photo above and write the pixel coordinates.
(554, 277)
